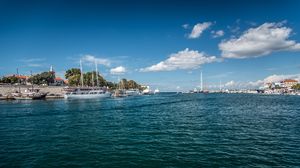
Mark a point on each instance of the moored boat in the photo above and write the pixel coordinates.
(29, 94)
(133, 92)
(86, 93)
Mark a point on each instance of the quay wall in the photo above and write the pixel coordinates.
(6, 89)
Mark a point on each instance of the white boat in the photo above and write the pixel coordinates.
(156, 91)
(133, 92)
(147, 91)
(86, 93)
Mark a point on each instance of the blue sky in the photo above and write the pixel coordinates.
(164, 44)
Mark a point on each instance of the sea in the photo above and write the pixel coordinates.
(162, 130)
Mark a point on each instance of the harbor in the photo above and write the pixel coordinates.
(149, 84)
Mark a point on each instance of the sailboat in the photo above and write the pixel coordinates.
(156, 91)
(28, 94)
(120, 92)
(86, 92)
(201, 87)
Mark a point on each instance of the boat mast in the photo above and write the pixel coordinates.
(201, 82)
(97, 84)
(220, 85)
(93, 84)
(81, 74)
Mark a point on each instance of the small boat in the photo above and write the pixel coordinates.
(147, 91)
(119, 93)
(29, 94)
(156, 91)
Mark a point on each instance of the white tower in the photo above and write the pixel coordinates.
(51, 69)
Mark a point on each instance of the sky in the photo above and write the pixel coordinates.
(164, 44)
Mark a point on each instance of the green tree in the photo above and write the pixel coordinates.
(128, 84)
(74, 80)
(10, 79)
(73, 76)
(42, 78)
(296, 87)
(71, 72)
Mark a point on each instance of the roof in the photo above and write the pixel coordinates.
(58, 79)
(22, 77)
(290, 80)
(18, 76)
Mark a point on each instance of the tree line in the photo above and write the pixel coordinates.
(73, 76)
(90, 79)
(38, 79)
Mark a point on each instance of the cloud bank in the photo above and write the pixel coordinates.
(259, 41)
(186, 59)
(92, 59)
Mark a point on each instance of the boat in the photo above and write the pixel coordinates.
(147, 91)
(30, 94)
(156, 91)
(133, 92)
(120, 93)
(86, 92)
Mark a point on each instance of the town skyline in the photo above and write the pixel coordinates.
(162, 45)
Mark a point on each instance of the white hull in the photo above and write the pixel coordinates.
(86, 96)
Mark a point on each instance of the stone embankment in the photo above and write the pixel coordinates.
(52, 90)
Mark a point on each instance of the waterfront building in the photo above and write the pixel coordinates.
(288, 83)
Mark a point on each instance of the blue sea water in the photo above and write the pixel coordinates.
(165, 130)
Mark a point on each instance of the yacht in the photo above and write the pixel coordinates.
(85, 93)
(133, 92)
(156, 91)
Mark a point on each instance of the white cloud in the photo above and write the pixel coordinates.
(118, 70)
(259, 41)
(186, 59)
(218, 33)
(30, 60)
(33, 62)
(92, 59)
(230, 84)
(198, 29)
(34, 65)
(186, 26)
